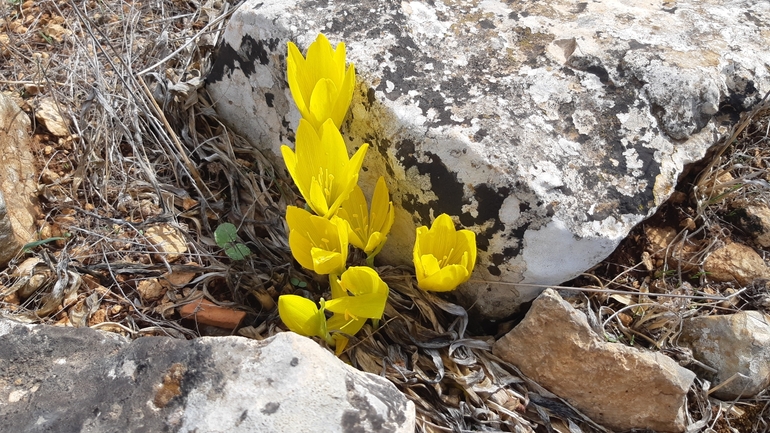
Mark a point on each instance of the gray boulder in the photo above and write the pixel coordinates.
(548, 128)
(71, 380)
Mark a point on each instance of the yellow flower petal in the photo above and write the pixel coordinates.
(305, 73)
(322, 100)
(466, 241)
(429, 264)
(383, 213)
(299, 83)
(375, 243)
(326, 262)
(317, 243)
(369, 293)
(345, 96)
(446, 279)
(443, 257)
(302, 316)
(320, 167)
(345, 325)
(354, 211)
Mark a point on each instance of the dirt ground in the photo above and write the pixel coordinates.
(136, 174)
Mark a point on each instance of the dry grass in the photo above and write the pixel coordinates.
(146, 151)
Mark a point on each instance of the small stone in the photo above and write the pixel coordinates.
(49, 177)
(48, 114)
(31, 89)
(617, 386)
(150, 289)
(735, 262)
(757, 223)
(57, 32)
(737, 346)
(48, 150)
(659, 239)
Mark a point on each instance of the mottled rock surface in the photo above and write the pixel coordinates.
(618, 386)
(733, 344)
(18, 181)
(72, 380)
(548, 128)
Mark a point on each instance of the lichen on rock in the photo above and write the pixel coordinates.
(549, 129)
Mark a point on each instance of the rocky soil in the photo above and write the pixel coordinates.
(132, 173)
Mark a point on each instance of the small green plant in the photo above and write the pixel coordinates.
(226, 237)
(46, 37)
(32, 245)
(296, 282)
(699, 274)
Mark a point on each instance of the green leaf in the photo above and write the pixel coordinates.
(225, 234)
(237, 251)
(296, 282)
(28, 247)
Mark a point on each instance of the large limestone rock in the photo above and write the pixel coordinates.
(72, 380)
(548, 128)
(737, 346)
(18, 184)
(617, 386)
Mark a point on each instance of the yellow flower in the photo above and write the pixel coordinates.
(302, 316)
(443, 257)
(316, 242)
(320, 85)
(368, 229)
(345, 325)
(358, 293)
(324, 174)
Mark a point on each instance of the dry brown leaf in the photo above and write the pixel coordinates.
(167, 240)
(177, 278)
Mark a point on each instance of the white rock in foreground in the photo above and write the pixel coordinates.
(548, 128)
(284, 384)
(734, 345)
(617, 386)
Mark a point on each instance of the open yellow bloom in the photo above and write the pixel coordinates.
(316, 242)
(358, 293)
(320, 167)
(443, 257)
(302, 316)
(368, 228)
(320, 85)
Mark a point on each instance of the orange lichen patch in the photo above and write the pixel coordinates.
(171, 386)
(208, 313)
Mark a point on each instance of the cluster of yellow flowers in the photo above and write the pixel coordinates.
(327, 178)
